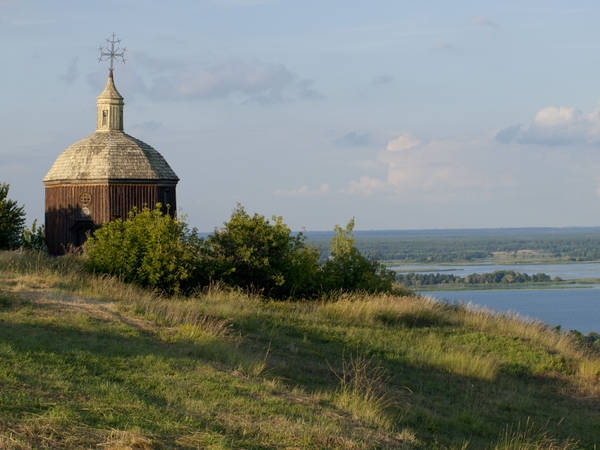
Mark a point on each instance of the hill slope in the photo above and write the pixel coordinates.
(89, 362)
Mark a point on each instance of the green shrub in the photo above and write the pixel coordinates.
(151, 249)
(253, 253)
(34, 238)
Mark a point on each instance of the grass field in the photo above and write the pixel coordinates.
(89, 362)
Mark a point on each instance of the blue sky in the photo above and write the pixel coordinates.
(404, 115)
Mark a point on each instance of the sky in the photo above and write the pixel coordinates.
(400, 114)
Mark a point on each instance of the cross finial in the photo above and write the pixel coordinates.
(112, 51)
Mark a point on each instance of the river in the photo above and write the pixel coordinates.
(573, 271)
(573, 308)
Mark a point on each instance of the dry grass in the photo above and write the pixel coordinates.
(363, 391)
(187, 315)
(125, 440)
(528, 436)
(385, 309)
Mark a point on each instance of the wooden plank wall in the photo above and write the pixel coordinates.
(66, 218)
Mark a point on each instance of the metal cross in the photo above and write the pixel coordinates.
(113, 51)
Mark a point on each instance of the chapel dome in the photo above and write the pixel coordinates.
(110, 156)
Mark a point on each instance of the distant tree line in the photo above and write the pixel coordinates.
(415, 280)
(562, 245)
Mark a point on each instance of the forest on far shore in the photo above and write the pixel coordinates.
(497, 277)
(503, 245)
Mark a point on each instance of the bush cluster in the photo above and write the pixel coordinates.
(250, 252)
(149, 248)
(256, 254)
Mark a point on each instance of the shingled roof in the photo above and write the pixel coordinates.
(109, 156)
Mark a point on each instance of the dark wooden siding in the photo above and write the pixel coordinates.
(74, 209)
(68, 218)
(125, 197)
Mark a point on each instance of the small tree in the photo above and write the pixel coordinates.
(150, 248)
(34, 238)
(12, 220)
(343, 240)
(256, 254)
(348, 270)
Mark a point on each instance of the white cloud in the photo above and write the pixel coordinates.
(402, 142)
(244, 80)
(366, 186)
(436, 170)
(268, 81)
(436, 166)
(554, 125)
(553, 116)
(474, 173)
(303, 191)
(252, 80)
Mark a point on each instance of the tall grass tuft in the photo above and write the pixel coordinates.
(588, 371)
(363, 391)
(528, 436)
(125, 440)
(188, 314)
(386, 309)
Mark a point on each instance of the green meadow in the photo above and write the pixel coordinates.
(87, 361)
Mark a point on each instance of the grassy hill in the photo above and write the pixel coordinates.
(89, 362)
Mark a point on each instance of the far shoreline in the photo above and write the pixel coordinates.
(565, 284)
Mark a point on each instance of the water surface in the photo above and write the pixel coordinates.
(565, 271)
(573, 308)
